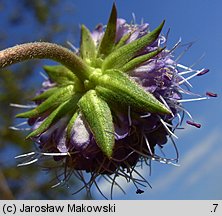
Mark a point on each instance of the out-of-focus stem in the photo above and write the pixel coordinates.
(44, 50)
(4, 188)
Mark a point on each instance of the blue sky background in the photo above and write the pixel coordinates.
(200, 173)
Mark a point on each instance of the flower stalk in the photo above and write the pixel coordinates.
(44, 50)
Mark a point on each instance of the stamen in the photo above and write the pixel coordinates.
(23, 106)
(45, 154)
(78, 174)
(211, 94)
(114, 183)
(198, 60)
(145, 116)
(192, 99)
(185, 91)
(17, 127)
(179, 119)
(147, 143)
(176, 45)
(165, 103)
(22, 123)
(28, 163)
(123, 159)
(184, 51)
(142, 178)
(164, 160)
(176, 149)
(194, 124)
(129, 117)
(169, 125)
(184, 67)
(134, 18)
(184, 80)
(186, 72)
(76, 50)
(138, 152)
(166, 38)
(25, 155)
(44, 76)
(56, 154)
(181, 108)
(204, 71)
(166, 127)
(190, 77)
(56, 185)
(95, 183)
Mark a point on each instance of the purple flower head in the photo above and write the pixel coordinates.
(123, 99)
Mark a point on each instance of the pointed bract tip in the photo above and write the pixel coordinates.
(114, 6)
(161, 25)
(108, 40)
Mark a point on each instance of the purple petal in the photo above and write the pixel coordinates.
(62, 142)
(97, 34)
(80, 134)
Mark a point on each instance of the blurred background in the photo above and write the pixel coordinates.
(199, 175)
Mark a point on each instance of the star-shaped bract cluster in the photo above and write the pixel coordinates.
(90, 93)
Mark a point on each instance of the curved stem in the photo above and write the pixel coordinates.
(44, 50)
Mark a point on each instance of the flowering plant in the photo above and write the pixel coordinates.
(105, 107)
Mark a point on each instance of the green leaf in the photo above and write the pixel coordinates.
(57, 114)
(117, 87)
(123, 40)
(61, 95)
(99, 119)
(124, 54)
(45, 94)
(62, 76)
(87, 47)
(135, 62)
(109, 37)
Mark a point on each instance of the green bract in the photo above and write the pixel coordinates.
(96, 81)
(99, 118)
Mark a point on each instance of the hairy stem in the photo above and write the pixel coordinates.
(44, 50)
